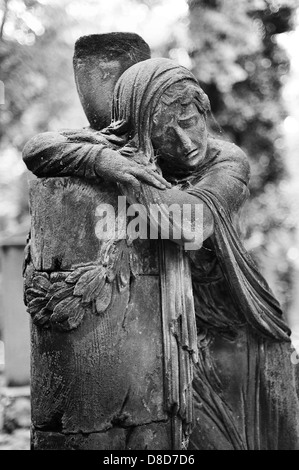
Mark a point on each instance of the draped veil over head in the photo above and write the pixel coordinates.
(136, 96)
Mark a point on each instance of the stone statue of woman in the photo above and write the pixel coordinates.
(158, 149)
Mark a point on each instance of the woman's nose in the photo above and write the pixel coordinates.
(184, 139)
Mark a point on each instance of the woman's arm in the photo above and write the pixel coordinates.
(55, 154)
(179, 216)
(85, 154)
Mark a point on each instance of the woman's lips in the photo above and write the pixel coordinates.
(192, 154)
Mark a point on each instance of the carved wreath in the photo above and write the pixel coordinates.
(62, 300)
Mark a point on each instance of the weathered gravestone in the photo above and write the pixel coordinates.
(117, 362)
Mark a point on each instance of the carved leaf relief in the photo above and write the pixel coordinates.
(61, 300)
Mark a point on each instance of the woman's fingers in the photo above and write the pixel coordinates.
(160, 178)
(150, 178)
(131, 180)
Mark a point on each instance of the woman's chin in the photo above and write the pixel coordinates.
(178, 166)
(193, 162)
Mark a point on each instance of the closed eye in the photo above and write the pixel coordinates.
(189, 121)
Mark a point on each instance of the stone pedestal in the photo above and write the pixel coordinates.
(108, 369)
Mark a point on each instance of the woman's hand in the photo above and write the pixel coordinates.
(112, 166)
(181, 217)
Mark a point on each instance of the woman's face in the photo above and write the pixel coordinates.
(179, 134)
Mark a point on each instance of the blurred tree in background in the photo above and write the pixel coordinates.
(232, 48)
(36, 69)
(237, 59)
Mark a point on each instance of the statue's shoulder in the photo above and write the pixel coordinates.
(222, 152)
(223, 149)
